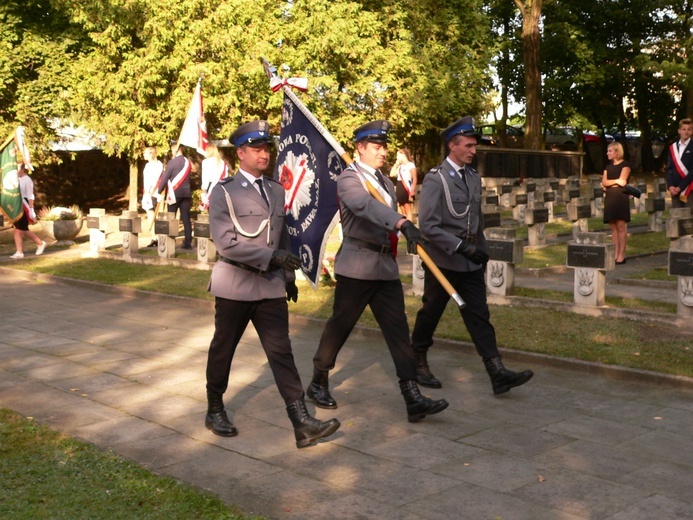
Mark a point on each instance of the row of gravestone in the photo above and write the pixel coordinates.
(166, 228)
(591, 255)
(532, 205)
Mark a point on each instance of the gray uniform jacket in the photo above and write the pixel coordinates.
(234, 240)
(365, 218)
(443, 229)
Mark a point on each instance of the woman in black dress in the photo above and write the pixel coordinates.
(617, 203)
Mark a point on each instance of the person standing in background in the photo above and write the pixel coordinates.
(21, 227)
(176, 178)
(679, 170)
(214, 169)
(617, 203)
(150, 180)
(405, 188)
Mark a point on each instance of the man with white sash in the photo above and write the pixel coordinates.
(176, 180)
(680, 167)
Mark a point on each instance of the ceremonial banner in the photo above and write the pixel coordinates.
(10, 198)
(308, 168)
(194, 131)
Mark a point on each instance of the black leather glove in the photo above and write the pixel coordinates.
(413, 236)
(472, 253)
(285, 259)
(291, 292)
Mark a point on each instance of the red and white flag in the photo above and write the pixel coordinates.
(194, 131)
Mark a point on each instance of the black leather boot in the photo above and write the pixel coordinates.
(424, 376)
(419, 406)
(308, 429)
(319, 390)
(216, 418)
(503, 379)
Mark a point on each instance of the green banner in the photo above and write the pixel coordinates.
(10, 199)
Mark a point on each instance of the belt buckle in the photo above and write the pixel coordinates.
(385, 249)
(471, 239)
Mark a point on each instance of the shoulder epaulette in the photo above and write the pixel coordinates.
(224, 181)
(271, 179)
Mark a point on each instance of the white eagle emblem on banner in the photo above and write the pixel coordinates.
(297, 179)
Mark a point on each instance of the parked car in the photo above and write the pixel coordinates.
(515, 134)
(659, 142)
(592, 137)
(559, 138)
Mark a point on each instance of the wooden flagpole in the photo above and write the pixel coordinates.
(272, 73)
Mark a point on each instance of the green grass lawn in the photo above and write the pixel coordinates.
(47, 475)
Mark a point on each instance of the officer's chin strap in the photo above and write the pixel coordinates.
(264, 224)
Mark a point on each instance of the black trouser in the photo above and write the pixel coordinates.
(471, 286)
(271, 321)
(184, 205)
(386, 300)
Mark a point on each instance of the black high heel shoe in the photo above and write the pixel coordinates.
(621, 262)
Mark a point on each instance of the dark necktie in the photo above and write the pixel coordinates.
(463, 174)
(381, 180)
(262, 191)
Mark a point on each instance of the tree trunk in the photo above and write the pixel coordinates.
(132, 192)
(531, 14)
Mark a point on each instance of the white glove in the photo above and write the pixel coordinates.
(32, 214)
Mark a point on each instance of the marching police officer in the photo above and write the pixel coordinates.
(252, 282)
(450, 219)
(367, 273)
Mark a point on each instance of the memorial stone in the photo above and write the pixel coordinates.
(504, 252)
(591, 255)
(654, 205)
(206, 250)
(166, 228)
(536, 217)
(505, 191)
(579, 211)
(681, 265)
(679, 223)
(130, 225)
(97, 224)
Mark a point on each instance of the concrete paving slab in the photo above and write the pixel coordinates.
(517, 441)
(664, 478)
(598, 460)
(655, 506)
(484, 467)
(594, 429)
(470, 501)
(580, 494)
(569, 445)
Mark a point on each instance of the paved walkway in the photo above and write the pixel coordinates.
(127, 373)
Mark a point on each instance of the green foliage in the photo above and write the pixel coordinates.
(37, 43)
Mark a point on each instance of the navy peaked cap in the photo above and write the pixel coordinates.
(375, 132)
(255, 132)
(465, 126)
